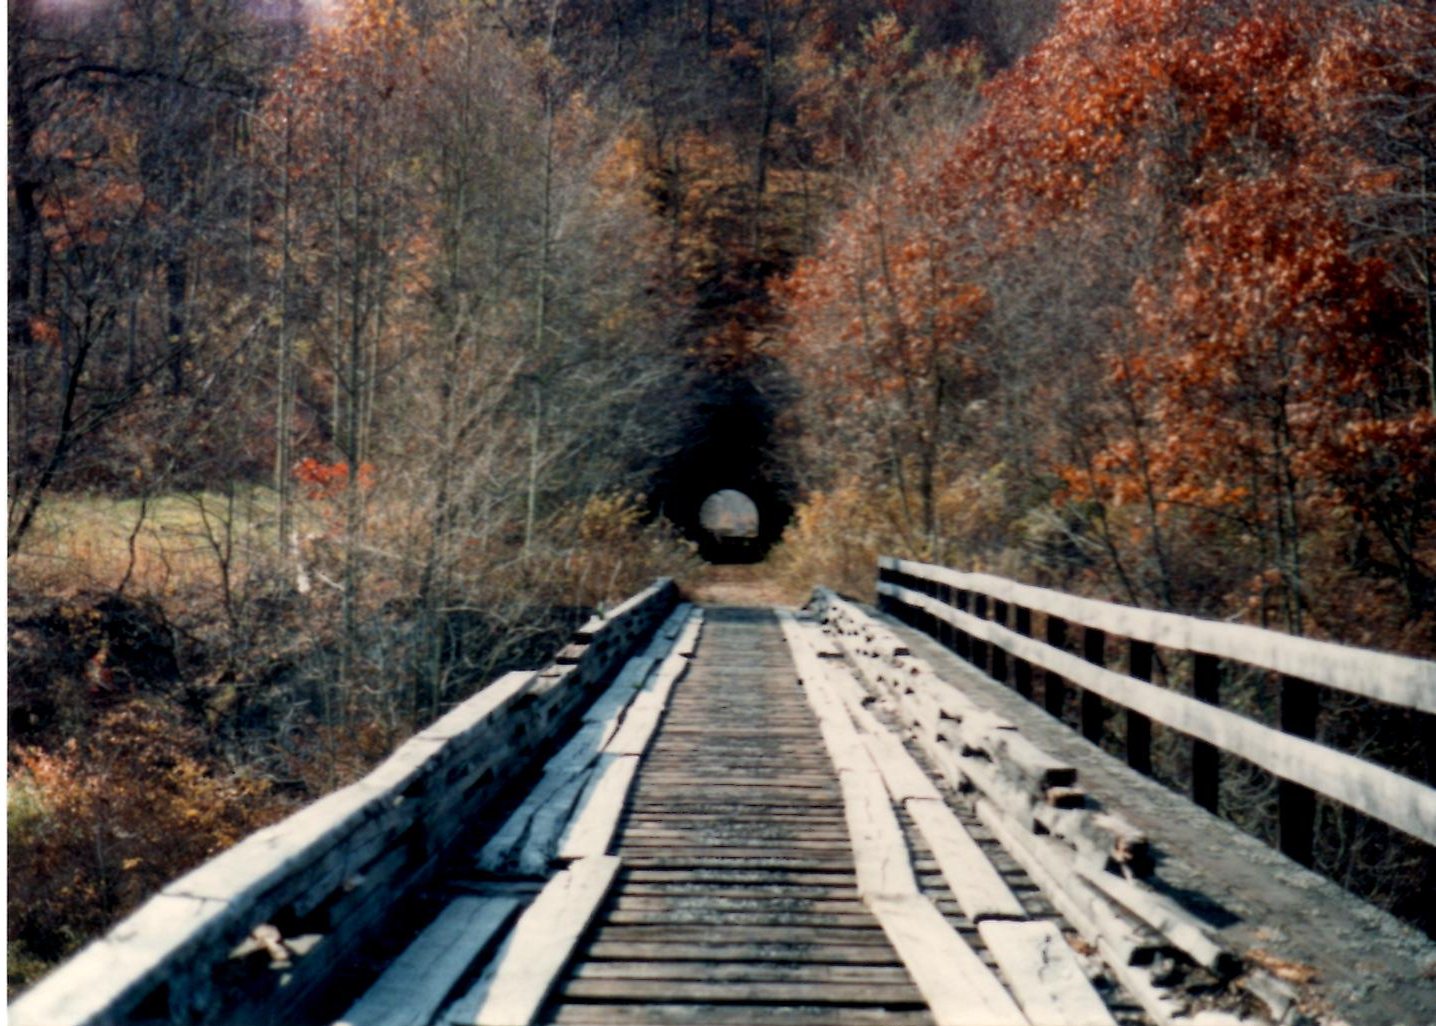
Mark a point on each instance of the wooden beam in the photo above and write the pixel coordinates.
(1140, 657)
(1163, 915)
(973, 880)
(599, 809)
(1296, 805)
(1044, 975)
(414, 986)
(638, 725)
(1054, 688)
(1022, 675)
(1094, 650)
(958, 988)
(514, 986)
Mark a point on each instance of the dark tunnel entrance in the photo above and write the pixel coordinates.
(730, 446)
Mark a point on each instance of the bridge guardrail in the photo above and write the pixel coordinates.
(254, 932)
(988, 621)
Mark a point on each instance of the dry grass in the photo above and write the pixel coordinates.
(162, 546)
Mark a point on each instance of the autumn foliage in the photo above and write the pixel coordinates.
(1157, 269)
(1152, 319)
(416, 312)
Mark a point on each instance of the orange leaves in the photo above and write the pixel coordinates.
(44, 331)
(329, 480)
(1196, 181)
(109, 818)
(90, 212)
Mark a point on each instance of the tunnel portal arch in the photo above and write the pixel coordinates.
(731, 446)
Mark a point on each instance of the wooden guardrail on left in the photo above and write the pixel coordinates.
(989, 622)
(315, 887)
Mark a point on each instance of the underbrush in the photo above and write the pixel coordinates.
(179, 679)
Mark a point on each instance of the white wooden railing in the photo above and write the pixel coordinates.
(989, 621)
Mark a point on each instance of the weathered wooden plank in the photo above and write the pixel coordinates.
(902, 775)
(468, 715)
(1027, 764)
(1184, 930)
(621, 692)
(634, 604)
(812, 950)
(711, 901)
(974, 882)
(879, 852)
(735, 846)
(860, 919)
(516, 983)
(669, 673)
(1398, 680)
(826, 992)
(687, 642)
(574, 759)
(414, 986)
(679, 889)
(1400, 801)
(675, 622)
(1044, 975)
(546, 828)
(741, 876)
(766, 970)
(1100, 836)
(638, 725)
(651, 1014)
(959, 989)
(690, 815)
(1075, 899)
(698, 933)
(745, 859)
(596, 817)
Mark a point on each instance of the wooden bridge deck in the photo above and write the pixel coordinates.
(738, 896)
(759, 817)
(737, 900)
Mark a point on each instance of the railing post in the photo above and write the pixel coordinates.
(1296, 805)
(999, 654)
(1206, 758)
(944, 629)
(979, 647)
(1094, 650)
(964, 640)
(904, 612)
(1054, 688)
(1022, 669)
(1140, 656)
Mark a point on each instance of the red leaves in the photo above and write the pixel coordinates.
(329, 480)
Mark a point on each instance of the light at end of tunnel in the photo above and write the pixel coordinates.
(729, 514)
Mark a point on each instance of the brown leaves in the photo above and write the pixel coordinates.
(110, 817)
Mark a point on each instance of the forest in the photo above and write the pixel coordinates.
(358, 349)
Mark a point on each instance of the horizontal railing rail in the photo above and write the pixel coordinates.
(254, 934)
(988, 620)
